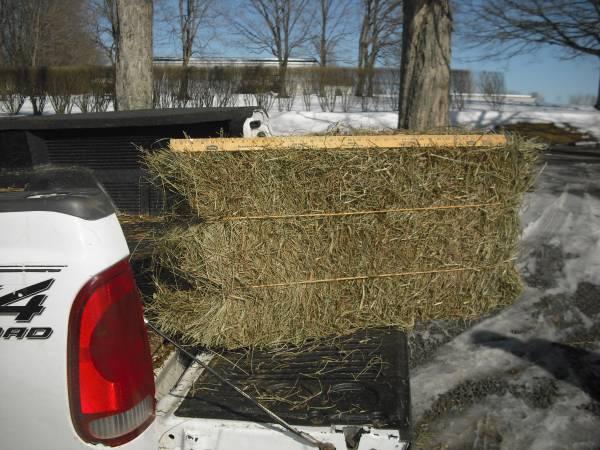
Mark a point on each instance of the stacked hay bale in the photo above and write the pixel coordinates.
(284, 245)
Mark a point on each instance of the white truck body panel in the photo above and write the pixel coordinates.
(38, 246)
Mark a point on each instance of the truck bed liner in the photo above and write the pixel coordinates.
(361, 379)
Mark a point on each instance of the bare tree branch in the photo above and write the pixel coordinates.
(333, 28)
(185, 20)
(104, 23)
(278, 27)
(380, 31)
(511, 27)
(44, 32)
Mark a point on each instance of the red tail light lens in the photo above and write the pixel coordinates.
(111, 384)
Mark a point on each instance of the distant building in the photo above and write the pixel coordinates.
(512, 99)
(216, 61)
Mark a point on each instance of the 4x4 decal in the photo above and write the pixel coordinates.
(24, 304)
(25, 312)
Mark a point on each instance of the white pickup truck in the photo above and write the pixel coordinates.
(76, 367)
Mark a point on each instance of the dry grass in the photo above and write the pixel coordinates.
(548, 133)
(215, 271)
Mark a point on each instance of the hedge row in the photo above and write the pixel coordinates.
(71, 80)
(91, 88)
(77, 80)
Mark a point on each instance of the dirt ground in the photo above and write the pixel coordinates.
(527, 377)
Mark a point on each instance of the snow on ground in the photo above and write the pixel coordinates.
(586, 119)
(476, 115)
(528, 377)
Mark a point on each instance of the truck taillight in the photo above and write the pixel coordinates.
(111, 384)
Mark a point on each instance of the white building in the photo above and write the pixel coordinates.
(240, 62)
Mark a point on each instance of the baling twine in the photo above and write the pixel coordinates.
(352, 213)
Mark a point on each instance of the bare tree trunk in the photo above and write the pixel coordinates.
(363, 50)
(183, 86)
(322, 53)
(371, 73)
(323, 36)
(282, 78)
(36, 35)
(597, 105)
(333, 15)
(186, 48)
(187, 19)
(277, 25)
(425, 68)
(134, 61)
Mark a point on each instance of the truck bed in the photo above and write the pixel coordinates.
(361, 379)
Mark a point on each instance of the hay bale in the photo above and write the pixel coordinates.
(284, 246)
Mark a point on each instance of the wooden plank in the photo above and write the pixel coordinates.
(337, 142)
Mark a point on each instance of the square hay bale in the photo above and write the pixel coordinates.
(284, 245)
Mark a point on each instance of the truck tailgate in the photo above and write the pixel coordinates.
(357, 380)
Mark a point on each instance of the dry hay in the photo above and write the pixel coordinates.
(284, 246)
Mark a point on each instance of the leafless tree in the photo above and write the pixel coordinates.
(307, 91)
(333, 28)
(391, 87)
(133, 69)
(37, 33)
(539, 98)
(380, 30)
(582, 100)
(44, 32)
(277, 26)
(425, 68)
(461, 86)
(184, 23)
(327, 98)
(518, 26)
(287, 103)
(11, 97)
(22, 30)
(184, 20)
(103, 21)
(493, 88)
(191, 14)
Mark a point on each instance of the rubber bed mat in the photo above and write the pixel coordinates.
(361, 379)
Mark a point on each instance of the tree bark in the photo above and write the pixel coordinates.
(425, 67)
(323, 37)
(597, 106)
(134, 62)
(363, 50)
(283, 78)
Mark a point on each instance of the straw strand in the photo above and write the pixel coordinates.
(365, 277)
(354, 213)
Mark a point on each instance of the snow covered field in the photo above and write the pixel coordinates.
(528, 377)
(476, 115)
